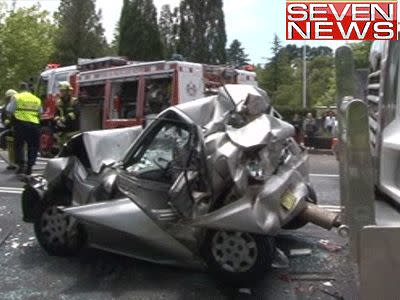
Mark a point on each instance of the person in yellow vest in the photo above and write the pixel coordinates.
(26, 109)
(67, 113)
(8, 123)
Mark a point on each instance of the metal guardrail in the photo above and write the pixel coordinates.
(356, 170)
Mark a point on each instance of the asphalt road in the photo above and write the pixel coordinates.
(27, 272)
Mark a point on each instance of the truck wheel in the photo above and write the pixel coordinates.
(297, 223)
(238, 257)
(46, 142)
(58, 233)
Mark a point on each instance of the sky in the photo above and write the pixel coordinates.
(252, 22)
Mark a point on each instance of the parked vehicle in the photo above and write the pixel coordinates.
(209, 183)
(384, 115)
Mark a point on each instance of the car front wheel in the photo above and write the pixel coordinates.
(238, 257)
(58, 233)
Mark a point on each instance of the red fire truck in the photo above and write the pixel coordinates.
(116, 93)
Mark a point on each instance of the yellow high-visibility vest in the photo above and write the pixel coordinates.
(28, 106)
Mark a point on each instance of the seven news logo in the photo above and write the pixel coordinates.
(341, 20)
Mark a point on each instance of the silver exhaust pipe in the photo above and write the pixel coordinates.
(321, 217)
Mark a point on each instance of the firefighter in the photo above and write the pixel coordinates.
(25, 108)
(67, 113)
(7, 121)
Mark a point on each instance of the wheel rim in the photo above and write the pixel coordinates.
(55, 227)
(234, 252)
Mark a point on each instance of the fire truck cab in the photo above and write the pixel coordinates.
(114, 92)
(130, 94)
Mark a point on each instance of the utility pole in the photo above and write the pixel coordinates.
(304, 75)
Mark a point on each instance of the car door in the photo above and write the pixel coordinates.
(154, 166)
(137, 225)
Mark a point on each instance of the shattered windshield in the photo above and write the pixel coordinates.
(157, 152)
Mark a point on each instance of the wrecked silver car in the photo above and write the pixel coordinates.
(208, 183)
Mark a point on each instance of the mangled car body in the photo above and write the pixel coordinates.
(208, 183)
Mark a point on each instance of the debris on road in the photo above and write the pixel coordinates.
(312, 277)
(328, 283)
(300, 252)
(329, 246)
(15, 245)
(281, 261)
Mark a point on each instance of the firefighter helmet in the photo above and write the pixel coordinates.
(10, 93)
(64, 86)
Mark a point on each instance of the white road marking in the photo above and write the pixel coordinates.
(11, 188)
(10, 191)
(325, 175)
(37, 162)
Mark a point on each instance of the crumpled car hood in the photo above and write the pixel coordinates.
(106, 146)
(251, 135)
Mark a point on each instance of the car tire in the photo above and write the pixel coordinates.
(56, 233)
(297, 223)
(238, 257)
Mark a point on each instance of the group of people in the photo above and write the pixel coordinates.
(22, 115)
(310, 126)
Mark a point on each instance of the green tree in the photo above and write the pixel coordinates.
(113, 49)
(80, 33)
(278, 70)
(169, 29)
(361, 53)
(235, 54)
(282, 76)
(26, 45)
(202, 36)
(297, 52)
(289, 89)
(139, 37)
(321, 79)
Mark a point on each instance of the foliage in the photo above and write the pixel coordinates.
(282, 76)
(202, 36)
(169, 29)
(361, 53)
(80, 33)
(321, 81)
(235, 54)
(113, 48)
(312, 52)
(26, 44)
(139, 36)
